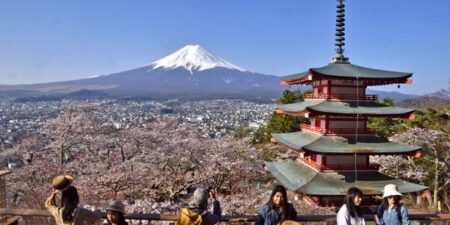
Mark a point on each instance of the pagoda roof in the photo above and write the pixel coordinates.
(299, 106)
(345, 108)
(297, 176)
(347, 70)
(341, 144)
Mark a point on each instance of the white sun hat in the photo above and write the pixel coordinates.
(391, 190)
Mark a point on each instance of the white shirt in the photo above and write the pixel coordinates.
(343, 218)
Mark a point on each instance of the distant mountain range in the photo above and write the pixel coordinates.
(424, 102)
(189, 73)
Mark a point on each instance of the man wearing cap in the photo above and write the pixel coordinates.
(391, 211)
(198, 209)
(68, 213)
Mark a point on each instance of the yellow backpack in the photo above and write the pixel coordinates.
(189, 217)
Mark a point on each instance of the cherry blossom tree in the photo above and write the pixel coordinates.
(432, 169)
(153, 167)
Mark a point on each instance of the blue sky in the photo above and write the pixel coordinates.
(54, 40)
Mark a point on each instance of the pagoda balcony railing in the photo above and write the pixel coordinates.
(340, 167)
(312, 164)
(308, 127)
(341, 97)
(238, 219)
(337, 167)
(336, 131)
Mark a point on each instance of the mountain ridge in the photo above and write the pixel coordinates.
(190, 72)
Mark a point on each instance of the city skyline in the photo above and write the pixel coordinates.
(56, 41)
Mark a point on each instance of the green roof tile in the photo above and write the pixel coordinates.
(345, 108)
(296, 140)
(299, 177)
(299, 106)
(345, 70)
(361, 108)
(341, 144)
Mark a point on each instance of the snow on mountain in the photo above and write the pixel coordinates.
(193, 58)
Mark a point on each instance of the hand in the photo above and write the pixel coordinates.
(212, 195)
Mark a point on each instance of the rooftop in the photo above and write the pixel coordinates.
(310, 141)
(299, 177)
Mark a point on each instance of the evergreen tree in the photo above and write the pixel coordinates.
(281, 123)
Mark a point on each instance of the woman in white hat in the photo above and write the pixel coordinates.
(68, 213)
(115, 213)
(391, 211)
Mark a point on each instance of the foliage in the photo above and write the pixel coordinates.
(291, 97)
(436, 119)
(242, 132)
(281, 123)
(153, 167)
(430, 130)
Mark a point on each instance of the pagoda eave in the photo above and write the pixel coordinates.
(344, 108)
(347, 71)
(299, 177)
(407, 115)
(342, 145)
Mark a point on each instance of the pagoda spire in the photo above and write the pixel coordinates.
(340, 35)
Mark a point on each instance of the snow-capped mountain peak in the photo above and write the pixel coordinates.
(193, 58)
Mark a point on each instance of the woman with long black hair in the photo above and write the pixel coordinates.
(68, 213)
(277, 209)
(351, 213)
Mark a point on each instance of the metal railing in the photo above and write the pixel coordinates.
(341, 97)
(336, 131)
(339, 167)
(228, 219)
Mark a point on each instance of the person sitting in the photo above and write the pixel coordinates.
(277, 210)
(197, 212)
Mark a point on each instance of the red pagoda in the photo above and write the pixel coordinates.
(333, 150)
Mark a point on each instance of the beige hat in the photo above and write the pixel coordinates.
(391, 190)
(62, 182)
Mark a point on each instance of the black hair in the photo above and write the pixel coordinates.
(121, 219)
(353, 210)
(69, 201)
(284, 204)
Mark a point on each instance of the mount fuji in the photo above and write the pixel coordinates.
(191, 72)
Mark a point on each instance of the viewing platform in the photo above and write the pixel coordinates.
(241, 219)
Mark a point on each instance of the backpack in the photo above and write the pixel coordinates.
(380, 212)
(189, 217)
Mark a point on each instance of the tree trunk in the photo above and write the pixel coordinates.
(61, 155)
(429, 199)
(122, 153)
(436, 181)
